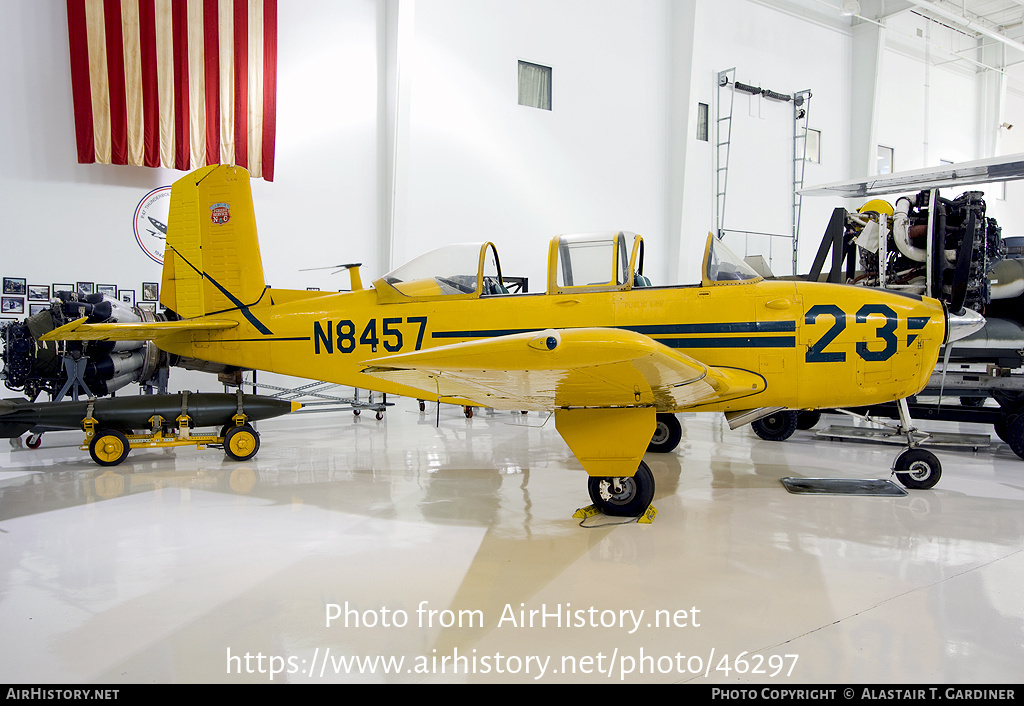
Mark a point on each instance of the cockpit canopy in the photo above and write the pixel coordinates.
(595, 262)
(466, 271)
(723, 266)
(588, 262)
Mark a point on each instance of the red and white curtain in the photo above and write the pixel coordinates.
(175, 83)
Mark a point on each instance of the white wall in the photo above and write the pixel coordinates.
(1010, 210)
(482, 167)
(784, 53)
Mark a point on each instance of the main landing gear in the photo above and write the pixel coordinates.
(631, 496)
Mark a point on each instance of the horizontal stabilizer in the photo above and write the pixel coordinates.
(78, 330)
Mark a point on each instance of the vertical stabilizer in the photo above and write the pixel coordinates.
(212, 259)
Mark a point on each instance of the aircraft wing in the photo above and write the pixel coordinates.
(78, 330)
(585, 367)
(981, 171)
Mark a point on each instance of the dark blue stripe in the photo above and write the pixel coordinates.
(276, 338)
(654, 330)
(482, 333)
(747, 342)
(733, 327)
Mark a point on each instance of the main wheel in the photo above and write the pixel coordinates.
(1001, 426)
(241, 443)
(624, 496)
(775, 427)
(1015, 435)
(109, 447)
(807, 419)
(918, 469)
(667, 433)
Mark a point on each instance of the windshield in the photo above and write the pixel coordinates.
(448, 270)
(453, 270)
(723, 265)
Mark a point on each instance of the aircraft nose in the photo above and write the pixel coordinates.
(962, 324)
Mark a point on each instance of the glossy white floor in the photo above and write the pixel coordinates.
(438, 546)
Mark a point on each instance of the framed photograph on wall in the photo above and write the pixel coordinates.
(12, 305)
(109, 289)
(34, 309)
(84, 289)
(62, 287)
(127, 296)
(14, 285)
(39, 293)
(147, 306)
(150, 291)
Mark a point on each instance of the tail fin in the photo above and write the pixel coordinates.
(212, 259)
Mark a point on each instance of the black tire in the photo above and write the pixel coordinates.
(1015, 435)
(775, 427)
(807, 419)
(626, 496)
(667, 433)
(1002, 428)
(918, 469)
(109, 447)
(241, 443)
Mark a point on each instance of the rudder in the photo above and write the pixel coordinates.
(212, 260)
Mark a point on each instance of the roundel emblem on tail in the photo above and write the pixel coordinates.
(150, 222)
(220, 213)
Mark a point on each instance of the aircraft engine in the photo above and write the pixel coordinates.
(34, 367)
(965, 247)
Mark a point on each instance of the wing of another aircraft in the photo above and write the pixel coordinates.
(78, 330)
(585, 367)
(981, 171)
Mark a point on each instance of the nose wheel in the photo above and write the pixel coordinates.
(917, 469)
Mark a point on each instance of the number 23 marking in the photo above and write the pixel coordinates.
(817, 352)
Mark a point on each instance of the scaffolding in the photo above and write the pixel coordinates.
(321, 396)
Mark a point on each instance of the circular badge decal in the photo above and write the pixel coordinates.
(151, 222)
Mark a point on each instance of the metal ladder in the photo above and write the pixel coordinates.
(723, 147)
(722, 166)
(801, 102)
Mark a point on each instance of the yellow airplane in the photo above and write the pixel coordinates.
(612, 356)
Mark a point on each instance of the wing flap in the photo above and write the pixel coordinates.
(79, 330)
(586, 367)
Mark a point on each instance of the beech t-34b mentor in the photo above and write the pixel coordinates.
(612, 356)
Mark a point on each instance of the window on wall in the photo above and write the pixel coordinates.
(534, 85)
(702, 122)
(885, 160)
(812, 147)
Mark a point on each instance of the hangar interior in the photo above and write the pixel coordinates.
(446, 540)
